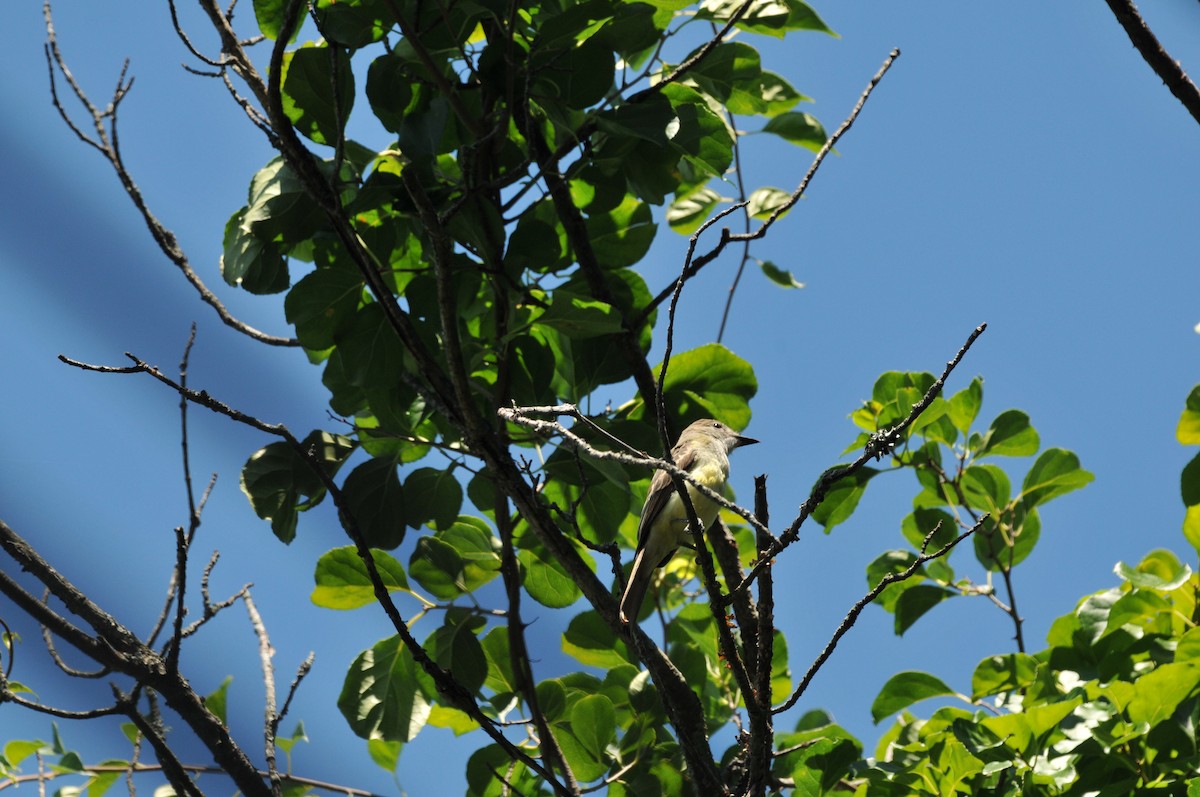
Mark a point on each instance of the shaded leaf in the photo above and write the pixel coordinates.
(376, 500)
(310, 100)
(779, 275)
(797, 127)
(381, 697)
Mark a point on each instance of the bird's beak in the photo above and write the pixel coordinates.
(744, 441)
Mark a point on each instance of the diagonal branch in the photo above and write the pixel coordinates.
(693, 266)
(882, 442)
(105, 141)
(454, 693)
(852, 616)
(1160, 61)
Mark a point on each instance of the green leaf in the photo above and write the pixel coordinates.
(217, 701)
(622, 236)
(578, 76)
(725, 66)
(597, 491)
(18, 750)
(986, 487)
(590, 641)
(763, 202)
(456, 648)
(1157, 694)
(100, 782)
(1010, 435)
(451, 718)
(1159, 570)
(280, 483)
(380, 697)
(980, 741)
(322, 304)
(269, 14)
(965, 404)
(915, 601)
(286, 743)
(432, 496)
(342, 581)
(318, 91)
(765, 94)
(353, 24)
(376, 501)
(579, 316)
(702, 137)
(476, 556)
(923, 522)
(369, 351)
(1056, 472)
(904, 689)
(779, 275)
(1188, 431)
(1006, 673)
(1191, 526)
(1004, 541)
(249, 262)
(386, 755)
(1189, 482)
(592, 728)
(770, 14)
(687, 213)
(797, 127)
(544, 577)
(280, 209)
(712, 382)
(500, 678)
(842, 499)
(652, 120)
(886, 564)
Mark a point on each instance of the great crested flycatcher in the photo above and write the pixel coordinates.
(703, 451)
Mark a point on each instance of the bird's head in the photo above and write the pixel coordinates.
(717, 431)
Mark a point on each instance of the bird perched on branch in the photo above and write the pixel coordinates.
(703, 452)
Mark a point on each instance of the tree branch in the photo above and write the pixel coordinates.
(1167, 68)
(693, 266)
(106, 143)
(852, 616)
(882, 442)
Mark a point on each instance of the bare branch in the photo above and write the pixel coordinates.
(880, 443)
(852, 616)
(270, 723)
(693, 266)
(448, 687)
(1166, 67)
(105, 142)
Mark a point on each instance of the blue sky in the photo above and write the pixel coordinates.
(1020, 165)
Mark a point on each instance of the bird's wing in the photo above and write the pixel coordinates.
(662, 487)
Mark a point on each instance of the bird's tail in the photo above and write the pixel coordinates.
(635, 590)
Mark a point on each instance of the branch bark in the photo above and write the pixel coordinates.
(1167, 68)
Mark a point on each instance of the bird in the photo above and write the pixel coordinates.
(703, 452)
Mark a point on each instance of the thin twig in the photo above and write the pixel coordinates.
(882, 442)
(852, 616)
(265, 653)
(454, 693)
(693, 266)
(106, 143)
